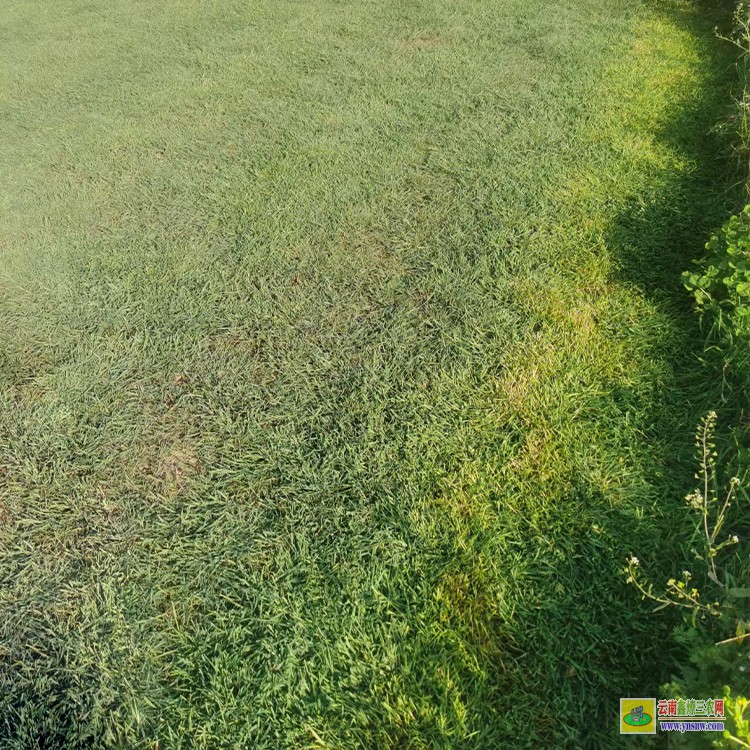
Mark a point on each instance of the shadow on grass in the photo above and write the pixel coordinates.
(652, 242)
(659, 235)
(581, 639)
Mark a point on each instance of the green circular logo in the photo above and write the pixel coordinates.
(641, 720)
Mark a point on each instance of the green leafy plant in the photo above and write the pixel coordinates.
(710, 664)
(720, 283)
(737, 707)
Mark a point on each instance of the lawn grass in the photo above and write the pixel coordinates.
(344, 361)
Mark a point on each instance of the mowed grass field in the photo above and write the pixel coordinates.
(343, 363)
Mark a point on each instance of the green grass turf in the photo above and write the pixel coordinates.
(343, 361)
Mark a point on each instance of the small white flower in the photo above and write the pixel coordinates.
(634, 561)
(695, 500)
(735, 538)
